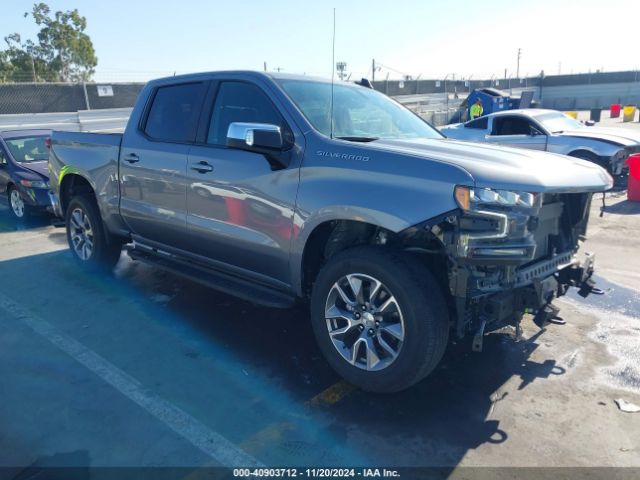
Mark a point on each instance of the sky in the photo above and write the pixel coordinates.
(136, 40)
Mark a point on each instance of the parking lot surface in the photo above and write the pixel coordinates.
(143, 368)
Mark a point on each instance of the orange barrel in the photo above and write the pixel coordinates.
(633, 187)
(628, 113)
(615, 110)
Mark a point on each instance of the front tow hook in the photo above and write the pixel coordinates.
(588, 287)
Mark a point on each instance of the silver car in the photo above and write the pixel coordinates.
(553, 131)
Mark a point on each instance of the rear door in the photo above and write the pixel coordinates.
(153, 163)
(240, 206)
(517, 131)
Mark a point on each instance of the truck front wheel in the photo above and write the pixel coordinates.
(90, 245)
(380, 320)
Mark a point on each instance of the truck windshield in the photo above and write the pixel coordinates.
(28, 149)
(359, 113)
(557, 122)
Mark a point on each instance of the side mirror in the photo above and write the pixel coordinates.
(533, 131)
(255, 137)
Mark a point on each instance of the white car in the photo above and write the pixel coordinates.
(553, 131)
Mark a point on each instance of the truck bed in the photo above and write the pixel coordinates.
(94, 156)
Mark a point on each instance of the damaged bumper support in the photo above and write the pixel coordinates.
(535, 287)
(512, 253)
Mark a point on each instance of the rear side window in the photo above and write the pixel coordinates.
(479, 123)
(173, 116)
(240, 102)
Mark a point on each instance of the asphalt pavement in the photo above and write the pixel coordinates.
(143, 368)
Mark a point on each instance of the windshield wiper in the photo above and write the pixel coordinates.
(359, 139)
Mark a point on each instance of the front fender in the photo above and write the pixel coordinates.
(567, 145)
(392, 203)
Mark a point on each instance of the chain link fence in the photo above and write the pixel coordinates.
(19, 98)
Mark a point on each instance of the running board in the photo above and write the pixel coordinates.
(246, 290)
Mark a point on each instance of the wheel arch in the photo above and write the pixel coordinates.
(73, 184)
(331, 237)
(582, 151)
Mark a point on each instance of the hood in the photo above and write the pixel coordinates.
(507, 168)
(41, 168)
(619, 136)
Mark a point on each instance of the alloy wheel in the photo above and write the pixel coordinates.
(81, 234)
(364, 321)
(17, 204)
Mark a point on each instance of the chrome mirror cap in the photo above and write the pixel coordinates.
(246, 132)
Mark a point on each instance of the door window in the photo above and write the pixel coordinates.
(479, 123)
(173, 116)
(240, 102)
(3, 158)
(511, 126)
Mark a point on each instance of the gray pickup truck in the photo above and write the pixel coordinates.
(276, 188)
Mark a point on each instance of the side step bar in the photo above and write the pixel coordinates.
(246, 290)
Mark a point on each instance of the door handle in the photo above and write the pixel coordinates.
(202, 167)
(132, 158)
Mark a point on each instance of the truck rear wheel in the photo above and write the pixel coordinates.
(380, 320)
(90, 245)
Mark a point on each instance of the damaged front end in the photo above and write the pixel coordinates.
(511, 253)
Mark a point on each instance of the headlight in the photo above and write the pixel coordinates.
(469, 198)
(34, 183)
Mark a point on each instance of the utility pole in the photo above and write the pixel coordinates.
(446, 92)
(265, 66)
(518, 67)
(373, 70)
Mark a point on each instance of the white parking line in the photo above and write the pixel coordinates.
(208, 441)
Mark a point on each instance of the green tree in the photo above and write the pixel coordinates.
(63, 51)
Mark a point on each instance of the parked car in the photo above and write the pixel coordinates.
(275, 188)
(24, 177)
(552, 131)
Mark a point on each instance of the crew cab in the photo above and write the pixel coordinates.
(551, 131)
(276, 188)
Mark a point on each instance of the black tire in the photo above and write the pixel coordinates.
(106, 248)
(423, 306)
(590, 157)
(26, 210)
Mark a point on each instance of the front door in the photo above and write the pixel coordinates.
(4, 172)
(153, 164)
(240, 207)
(516, 131)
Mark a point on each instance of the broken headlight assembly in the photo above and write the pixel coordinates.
(495, 224)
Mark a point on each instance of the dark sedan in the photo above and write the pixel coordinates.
(24, 175)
